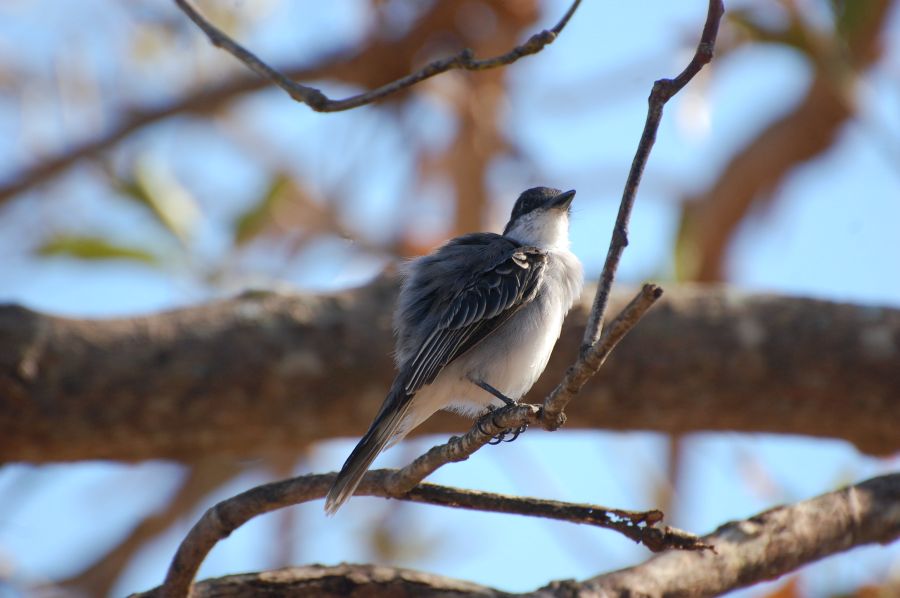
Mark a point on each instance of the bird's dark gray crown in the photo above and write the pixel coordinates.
(532, 199)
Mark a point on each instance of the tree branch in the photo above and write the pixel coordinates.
(589, 363)
(319, 102)
(663, 90)
(377, 58)
(268, 373)
(225, 517)
(591, 360)
(754, 174)
(756, 549)
(770, 544)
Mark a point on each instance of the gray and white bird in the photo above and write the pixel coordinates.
(475, 323)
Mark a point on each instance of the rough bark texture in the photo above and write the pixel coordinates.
(341, 581)
(747, 552)
(768, 545)
(265, 373)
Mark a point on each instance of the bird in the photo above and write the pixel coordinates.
(475, 323)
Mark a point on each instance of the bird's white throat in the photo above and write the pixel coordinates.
(547, 229)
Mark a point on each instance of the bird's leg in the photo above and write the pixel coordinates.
(487, 387)
(501, 437)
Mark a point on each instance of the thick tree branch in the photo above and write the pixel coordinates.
(268, 373)
(319, 102)
(225, 517)
(760, 548)
(770, 544)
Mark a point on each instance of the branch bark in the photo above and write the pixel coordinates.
(377, 59)
(663, 91)
(319, 102)
(760, 548)
(268, 373)
(225, 517)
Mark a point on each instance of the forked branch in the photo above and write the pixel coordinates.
(759, 548)
(405, 483)
(319, 102)
(225, 517)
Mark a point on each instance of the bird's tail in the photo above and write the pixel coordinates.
(380, 433)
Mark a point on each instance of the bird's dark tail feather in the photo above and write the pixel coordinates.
(379, 435)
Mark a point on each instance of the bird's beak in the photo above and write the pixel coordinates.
(563, 200)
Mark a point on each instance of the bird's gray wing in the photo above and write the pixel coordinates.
(486, 300)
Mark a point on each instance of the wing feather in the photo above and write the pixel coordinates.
(486, 300)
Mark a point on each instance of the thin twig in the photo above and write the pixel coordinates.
(222, 519)
(459, 448)
(319, 102)
(662, 92)
(748, 551)
(219, 521)
(589, 363)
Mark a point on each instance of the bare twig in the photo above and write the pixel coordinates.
(459, 448)
(220, 520)
(636, 525)
(662, 92)
(319, 102)
(749, 551)
(589, 363)
(227, 516)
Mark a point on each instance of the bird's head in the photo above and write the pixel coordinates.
(541, 217)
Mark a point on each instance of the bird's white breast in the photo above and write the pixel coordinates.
(512, 359)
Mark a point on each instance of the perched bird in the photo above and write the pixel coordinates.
(475, 323)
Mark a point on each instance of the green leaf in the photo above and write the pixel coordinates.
(685, 254)
(154, 186)
(851, 16)
(254, 220)
(758, 29)
(94, 248)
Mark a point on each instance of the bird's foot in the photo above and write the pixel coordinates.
(502, 436)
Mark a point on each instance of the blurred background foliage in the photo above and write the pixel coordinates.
(143, 169)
